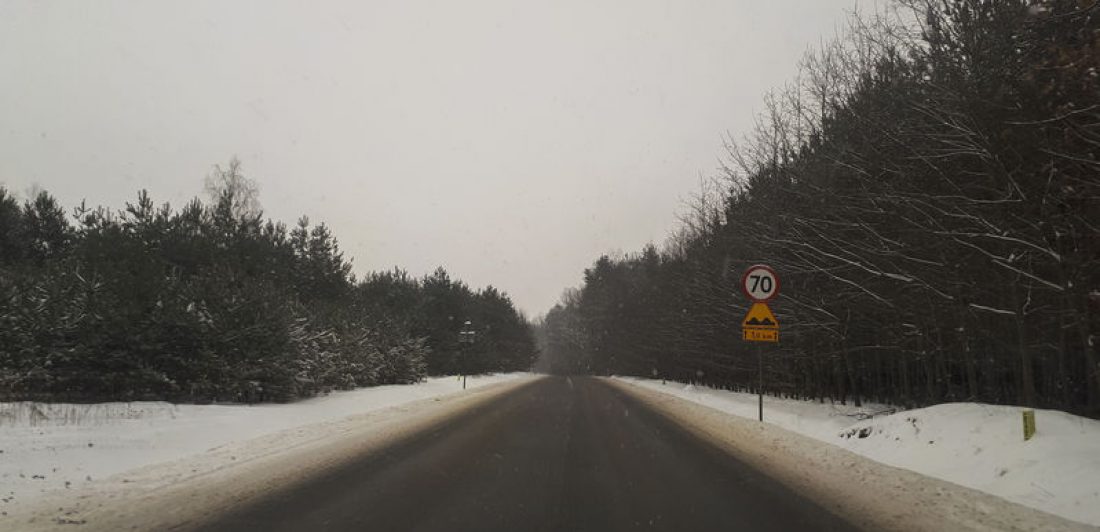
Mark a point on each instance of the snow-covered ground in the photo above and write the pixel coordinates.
(979, 446)
(46, 448)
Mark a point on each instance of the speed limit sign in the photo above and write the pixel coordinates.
(760, 283)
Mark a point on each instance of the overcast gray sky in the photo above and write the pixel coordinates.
(510, 142)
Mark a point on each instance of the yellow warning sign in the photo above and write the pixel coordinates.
(760, 316)
(760, 324)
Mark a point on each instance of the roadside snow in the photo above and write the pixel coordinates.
(975, 445)
(48, 448)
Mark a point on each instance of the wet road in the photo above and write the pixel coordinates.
(555, 454)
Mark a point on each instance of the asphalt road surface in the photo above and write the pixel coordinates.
(556, 454)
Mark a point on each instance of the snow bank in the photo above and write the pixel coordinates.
(974, 445)
(981, 447)
(47, 447)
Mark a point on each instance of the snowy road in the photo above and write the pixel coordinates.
(555, 454)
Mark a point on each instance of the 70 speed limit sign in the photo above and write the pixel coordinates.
(760, 283)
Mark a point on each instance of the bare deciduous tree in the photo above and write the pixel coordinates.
(231, 185)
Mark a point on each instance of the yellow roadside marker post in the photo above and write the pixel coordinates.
(1029, 424)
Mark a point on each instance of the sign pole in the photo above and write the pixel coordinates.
(465, 342)
(760, 386)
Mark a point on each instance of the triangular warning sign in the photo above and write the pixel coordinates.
(760, 317)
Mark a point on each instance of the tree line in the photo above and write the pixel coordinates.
(211, 302)
(928, 188)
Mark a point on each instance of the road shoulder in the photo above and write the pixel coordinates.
(184, 493)
(869, 494)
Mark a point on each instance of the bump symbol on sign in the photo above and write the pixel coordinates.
(759, 323)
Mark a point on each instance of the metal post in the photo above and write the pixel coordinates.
(465, 341)
(760, 386)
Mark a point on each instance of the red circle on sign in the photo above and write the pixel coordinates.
(745, 285)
